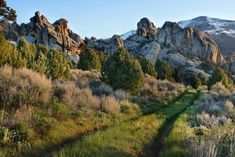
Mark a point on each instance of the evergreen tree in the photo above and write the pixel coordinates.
(16, 60)
(89, 60)
(164, 71)
(147, 66)
(5, 49)
(57, 65)
(195, 82)
(27, 51)
(219, 75)
(122, 71)
(6, 13)
(40, 63)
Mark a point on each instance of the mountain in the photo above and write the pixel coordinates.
(222, 31)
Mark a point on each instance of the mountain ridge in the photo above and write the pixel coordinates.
(221, 30)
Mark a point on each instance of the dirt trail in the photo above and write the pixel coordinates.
(154, 149)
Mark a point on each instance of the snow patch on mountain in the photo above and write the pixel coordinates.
(211, 25)
(128, 34)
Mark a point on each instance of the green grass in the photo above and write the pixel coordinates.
(182, 130)
(129, 138)
(173, 143)
(178, 105)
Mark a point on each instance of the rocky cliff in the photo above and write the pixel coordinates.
(222, 31)
(40, 31)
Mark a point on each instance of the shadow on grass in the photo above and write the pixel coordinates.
(154, 148)
(97, 152)
(48, 151)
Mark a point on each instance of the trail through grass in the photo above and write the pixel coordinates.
(170, 114)
(128, 138)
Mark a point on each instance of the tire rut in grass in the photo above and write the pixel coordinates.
(154, 149)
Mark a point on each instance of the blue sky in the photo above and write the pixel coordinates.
(103, 18)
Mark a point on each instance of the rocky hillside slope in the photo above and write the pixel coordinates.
(183, 48)
(222, 31)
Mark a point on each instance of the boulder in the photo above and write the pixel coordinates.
(146, 28)
(108, 46)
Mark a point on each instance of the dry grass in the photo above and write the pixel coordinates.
(73, 96)
(159, 88)
(23, 86)
(82, 78)
(110, 105)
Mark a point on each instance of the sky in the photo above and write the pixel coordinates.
(104, 18)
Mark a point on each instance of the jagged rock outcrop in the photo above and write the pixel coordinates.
(221, 30)
(54, 36)
(186, 49)
(189, 42)
(146, 28)
(109, 46)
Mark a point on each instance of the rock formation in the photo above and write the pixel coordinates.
(189, 42)
(185, 49)
(109, 46)
(54, 36)
(146, 28)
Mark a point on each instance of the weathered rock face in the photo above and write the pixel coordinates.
(53, 36)
(109, 46)
(189, 42)
(186, 49)
(146, 28)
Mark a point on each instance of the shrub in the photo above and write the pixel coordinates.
(23, 86)
(202, 149)
(83, 78)
(229, 106)
(87, 100)
(219, 75)
(129, 108)
(100, 89)
(147, 66)
(37, 86)
(89, 60)
(164, 71)
(110, 105)
(195, 82)
(122, 71)
(69, 93)
(60, 111)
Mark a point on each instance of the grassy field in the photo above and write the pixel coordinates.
(181, 132)
(129, 138)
